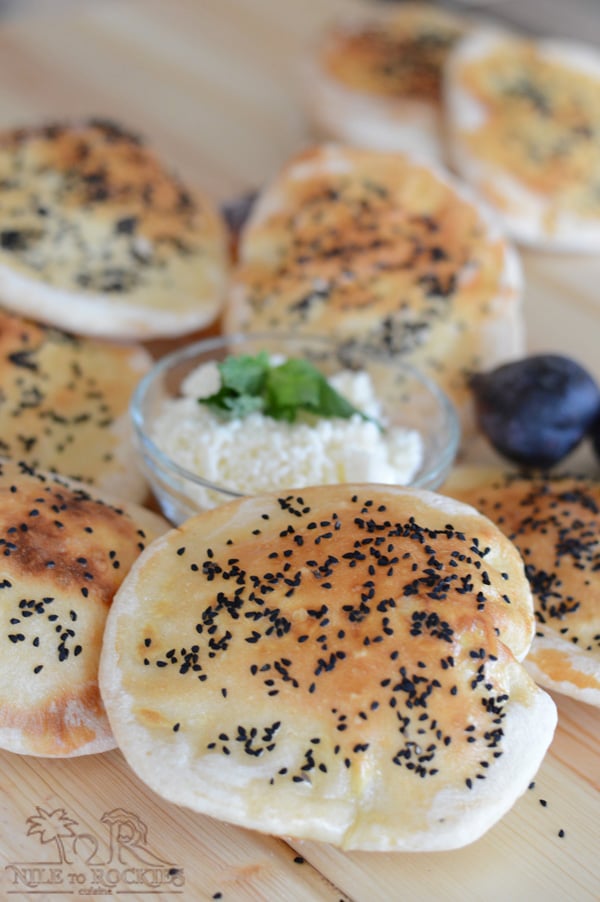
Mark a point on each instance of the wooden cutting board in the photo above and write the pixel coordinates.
(214, 86)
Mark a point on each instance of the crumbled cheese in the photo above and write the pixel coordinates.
(257, 453)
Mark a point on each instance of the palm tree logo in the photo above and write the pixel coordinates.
(52, 826)
(97, 861)
(127, 838)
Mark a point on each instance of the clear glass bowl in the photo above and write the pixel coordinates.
(408, 398)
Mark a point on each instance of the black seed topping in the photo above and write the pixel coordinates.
(403, 584)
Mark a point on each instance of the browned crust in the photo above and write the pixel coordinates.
(65, 402)
(398, 55)
(371, 247)
(95, 231)
(555, 523)
(539, 124)
(338, 662)
(64, 554)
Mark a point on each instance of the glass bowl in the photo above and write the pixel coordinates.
(407, 397)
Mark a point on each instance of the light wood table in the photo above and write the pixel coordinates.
(213, 85)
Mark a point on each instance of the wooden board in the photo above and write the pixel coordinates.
(214, 86)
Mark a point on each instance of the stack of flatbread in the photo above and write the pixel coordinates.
(98, 239)
(342, 665)
(518, 119)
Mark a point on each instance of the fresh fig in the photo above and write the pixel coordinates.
(536, 410)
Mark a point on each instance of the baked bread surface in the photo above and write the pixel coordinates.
(65, 404)
(64, 554)
(375, 248)
(375, 78)
(96, 237)
(555, 523)
(523, 126)
(339, 664)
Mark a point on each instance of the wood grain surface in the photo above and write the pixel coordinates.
(214, 85)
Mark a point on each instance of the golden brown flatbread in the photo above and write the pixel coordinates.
(64, 553)
(64, 404)
(97, 238)
(339, 663)
(555, 523)
(524, 130)
(372, 248)
(375, 78)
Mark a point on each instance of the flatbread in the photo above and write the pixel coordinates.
(339, 665)
(64, 405)
(374, 248)
(97, 238)
(375, 78)
(64, 554)
(524, 130)
(555, 523)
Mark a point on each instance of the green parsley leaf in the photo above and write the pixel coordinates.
(245, 374)
(242, 383)
(251, 384)
(292, 386)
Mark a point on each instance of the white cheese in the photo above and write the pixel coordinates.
(256, 453)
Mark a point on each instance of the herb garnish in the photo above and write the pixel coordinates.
(252, 383)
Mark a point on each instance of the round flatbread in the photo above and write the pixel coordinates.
(374, 248)
(339, 665)
(375, 78)
(555, 523)
(64, 405)
(97, 238)
(524, 130)
(64, 554)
